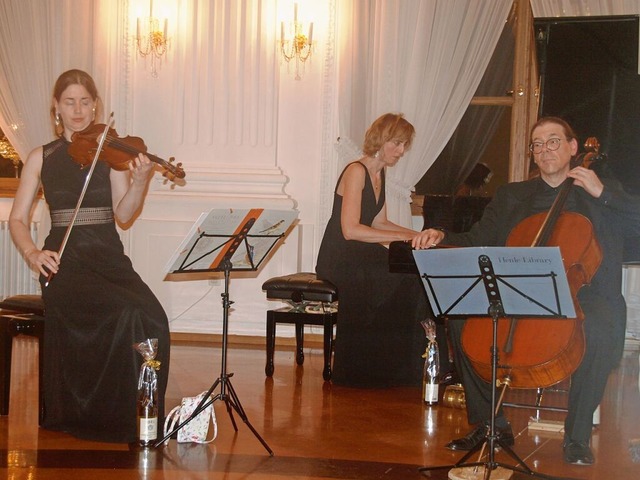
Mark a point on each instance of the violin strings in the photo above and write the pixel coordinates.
(116, 142)
(119, 144)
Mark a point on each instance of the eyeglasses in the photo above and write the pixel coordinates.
(552, 145)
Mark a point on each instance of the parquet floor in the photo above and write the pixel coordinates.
(315, 429)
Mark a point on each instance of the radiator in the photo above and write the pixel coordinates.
(15, 276)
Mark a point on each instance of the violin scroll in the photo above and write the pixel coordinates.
(171, 170)
(169, 173)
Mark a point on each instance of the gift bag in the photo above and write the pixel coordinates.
(197, 430)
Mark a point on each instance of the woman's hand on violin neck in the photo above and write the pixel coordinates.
(141, 169)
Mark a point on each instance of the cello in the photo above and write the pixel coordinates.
(538, 352)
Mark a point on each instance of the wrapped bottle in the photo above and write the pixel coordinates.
(147, 407)
(431, 370)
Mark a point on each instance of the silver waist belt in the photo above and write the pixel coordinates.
(86, 216)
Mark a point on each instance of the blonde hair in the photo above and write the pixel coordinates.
(388, 127)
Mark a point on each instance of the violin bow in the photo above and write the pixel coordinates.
(82, 194)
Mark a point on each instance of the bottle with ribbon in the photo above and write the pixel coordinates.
(431, 370)
(147, 407)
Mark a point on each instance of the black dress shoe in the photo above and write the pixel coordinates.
(449, 378)
(577, 453)
(476, 436)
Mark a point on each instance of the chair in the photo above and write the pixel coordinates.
(310, 302)
(20, 314)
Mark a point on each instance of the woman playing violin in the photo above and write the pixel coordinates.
(96, 305)
(614, 214)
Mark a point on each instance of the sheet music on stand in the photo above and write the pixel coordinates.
(210, 241)
(531, 280)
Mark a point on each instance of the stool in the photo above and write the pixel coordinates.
(301, 290)
(21, 314)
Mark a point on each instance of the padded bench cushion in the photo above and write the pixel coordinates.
(24, 304)
(300, 287)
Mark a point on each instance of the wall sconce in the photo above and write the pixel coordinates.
(7, 151)
(150, 40)
(297, 46)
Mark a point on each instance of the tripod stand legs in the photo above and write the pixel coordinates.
(489, 469)
(232, 402)
(230, 399)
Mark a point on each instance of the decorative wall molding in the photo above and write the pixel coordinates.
(224, 188)
(225, 69)
(329, 159)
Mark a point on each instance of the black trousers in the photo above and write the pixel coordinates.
(588, 382)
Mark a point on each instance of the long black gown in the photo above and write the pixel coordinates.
(379, 340)
(96, 308)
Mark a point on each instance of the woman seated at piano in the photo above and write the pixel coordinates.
(380, 340)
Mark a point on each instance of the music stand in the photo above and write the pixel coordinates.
(214, 245)
(529, 282)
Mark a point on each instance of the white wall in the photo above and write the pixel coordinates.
(268, 156)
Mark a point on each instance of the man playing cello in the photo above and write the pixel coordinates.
(614, 214)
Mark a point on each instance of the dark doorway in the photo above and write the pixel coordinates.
(589, 76)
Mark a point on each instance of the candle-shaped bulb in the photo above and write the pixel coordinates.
(166, 21)
(282, 32)
(310, 33)
(295, 12)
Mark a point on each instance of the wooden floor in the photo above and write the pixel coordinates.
(315, 429)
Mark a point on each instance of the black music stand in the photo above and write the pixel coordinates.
(210, 248)
(531, 283)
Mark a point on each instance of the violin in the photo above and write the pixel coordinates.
(117, 151)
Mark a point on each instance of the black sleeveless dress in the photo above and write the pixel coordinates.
(96, 308)
(379, 340)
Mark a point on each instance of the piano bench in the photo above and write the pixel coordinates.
(310, 303)
(20, 315)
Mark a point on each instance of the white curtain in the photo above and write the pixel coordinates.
(478, 124)
(38, 41)
(424, 58)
